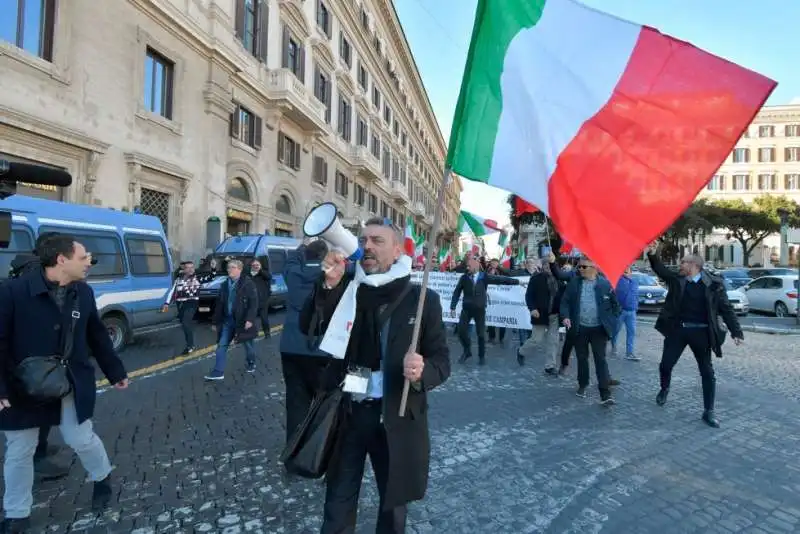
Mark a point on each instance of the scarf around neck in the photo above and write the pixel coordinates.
(341, 326)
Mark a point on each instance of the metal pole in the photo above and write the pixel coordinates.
(437, 219)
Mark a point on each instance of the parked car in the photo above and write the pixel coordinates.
(774, 294)
(758, 272)
(651, 294)
(736, 277)
(737, 298)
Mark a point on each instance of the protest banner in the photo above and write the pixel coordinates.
(506, 307)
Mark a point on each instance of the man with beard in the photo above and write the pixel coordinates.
(368, 319)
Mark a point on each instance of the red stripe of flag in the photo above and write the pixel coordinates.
(521, 207)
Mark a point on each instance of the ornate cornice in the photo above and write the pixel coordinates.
(25, 121)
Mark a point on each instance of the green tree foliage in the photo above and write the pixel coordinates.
(531, 218)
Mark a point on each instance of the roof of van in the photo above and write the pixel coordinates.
(248, 242)
(55, 213)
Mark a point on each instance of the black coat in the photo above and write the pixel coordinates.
(408, 437)
(541, 296)
(263, 283)
(476, 293)
(244, 309)
(32, 325)
(669, 319)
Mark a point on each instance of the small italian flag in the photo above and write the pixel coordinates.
(520, 259)
(505, 257)
(419, 251)
(410, 240)
(476, 225)
(609, 127)
(445, 258)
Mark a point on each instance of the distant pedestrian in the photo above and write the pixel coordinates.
(628, 296)
(262, 278)
(185, 292)
(540, 297)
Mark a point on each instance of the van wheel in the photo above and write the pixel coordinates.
(118, 331)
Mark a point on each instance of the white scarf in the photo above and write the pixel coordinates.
(337, 336)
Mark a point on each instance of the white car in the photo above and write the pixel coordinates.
(737, 298)
(773, 294)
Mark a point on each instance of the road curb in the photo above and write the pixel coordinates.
(781, 331)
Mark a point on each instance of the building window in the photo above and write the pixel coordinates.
(741, 182)
(363, 76)
(252, 24)
(766, 155)
(238, 190)
(396, 128)
(403, 139)
(766, 131)
(791, 130)
(294, 56)
(387, 114)
(791, 154)
(376, 97)
(345, 50)
(717, 183)
(320, 171)
(323, 18)
(767, 182)
(147, 256)
(158, 83)
(741, 155)
(384, 209)
(403, 174)
(395, 169)
(323, 90)
(376, 146)
(364, 19)
(345, 119)
(288, 151)
(359, 195)
(387, 162)
(283, 205)
(341, 185)
(362, 131)
(29, 25)
(791, 182)
(246, 126)
(373, 203)
(155, 203)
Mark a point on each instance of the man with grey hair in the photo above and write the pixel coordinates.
(691, 316)
(235, 317)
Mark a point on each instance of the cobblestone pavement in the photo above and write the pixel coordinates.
(514, 451)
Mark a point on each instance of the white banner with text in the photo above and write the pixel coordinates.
(506, 307)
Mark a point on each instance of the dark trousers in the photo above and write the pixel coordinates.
(41, 447)
(698, 341)
(304, 376)
(364, 435)
(469, 313)
(496, 331)
(186, 311)
(566, 350)
(263, 314)
(596, 338)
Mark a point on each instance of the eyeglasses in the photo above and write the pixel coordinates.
(585, 266)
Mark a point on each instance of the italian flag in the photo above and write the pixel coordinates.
(445, 258)
(478, 226)
(410, 240)
(609, 127)
(419, 253)
(520, 259)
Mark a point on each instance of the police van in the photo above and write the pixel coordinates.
(271, 251)
(133, 271)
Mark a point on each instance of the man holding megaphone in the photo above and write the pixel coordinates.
(367, 319)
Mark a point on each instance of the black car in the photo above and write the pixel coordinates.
(651, 294)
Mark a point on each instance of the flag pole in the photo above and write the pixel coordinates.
(437, 219)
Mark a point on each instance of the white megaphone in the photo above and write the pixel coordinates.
(323, 222)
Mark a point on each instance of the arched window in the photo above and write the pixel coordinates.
(283, 205)
(238, 190)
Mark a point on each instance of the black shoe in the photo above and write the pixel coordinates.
(606, 400)
(520, 359)
(551, 371)
(464, 357)
(188, 350)
(46, 469)
(251, 367)
(481, 361)
(562, 371)
(101, 494)
(15, 526)
(581, 393)
(710, 419)
(661, 398)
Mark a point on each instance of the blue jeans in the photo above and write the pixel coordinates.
(524, 335)
(225, 339)
(628, 318)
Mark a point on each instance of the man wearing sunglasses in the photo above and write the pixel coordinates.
(691, 316)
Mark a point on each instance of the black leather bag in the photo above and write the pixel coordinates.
(44, 379)
(310, 449)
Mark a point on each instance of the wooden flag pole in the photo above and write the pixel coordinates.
(437, 219)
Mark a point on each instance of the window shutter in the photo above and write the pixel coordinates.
(747, 155)
(302, 58)
(747, 182)
(786, 152)
(297, 156)
(235, 123)
(328, 106)
(240, 14)
(281, 150)
(317, 83)
(285, 48)
(259, 127)
(263, 29)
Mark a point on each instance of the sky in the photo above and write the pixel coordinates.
(758, 35)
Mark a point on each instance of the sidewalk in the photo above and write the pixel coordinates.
(513, 450)
(750, 323)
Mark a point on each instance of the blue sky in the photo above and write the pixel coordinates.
(760, 35)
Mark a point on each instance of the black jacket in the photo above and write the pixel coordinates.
(408, 437)
(541, 296)
(263, 283)
(476, 294)
(244, 309)
(31, 324)
(716, 299)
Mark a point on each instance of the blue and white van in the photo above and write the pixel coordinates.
(133, 271)
(271, 251)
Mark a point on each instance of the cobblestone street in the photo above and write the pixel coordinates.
(513, 451)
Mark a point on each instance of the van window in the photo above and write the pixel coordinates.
(21, 243)
(108, 251)
(148, 255)
(277, 260)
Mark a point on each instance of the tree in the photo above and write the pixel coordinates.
(531, 218)
(751, 223)
(697, 217)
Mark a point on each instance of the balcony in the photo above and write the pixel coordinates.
(364, 163)
(296, 101)
(400, 191)
(418, 208)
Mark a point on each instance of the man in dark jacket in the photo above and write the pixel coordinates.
(304, 365)
(691, 316)
(590, 307)
(263, 280)
(185, 292)
(540, 297)
(373, 331)
(37, 313)
(235, 315)
(474, 285)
